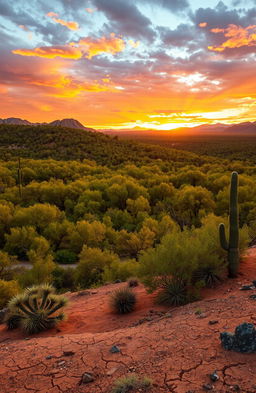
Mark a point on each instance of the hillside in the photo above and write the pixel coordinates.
(75, 144)
(178, 348)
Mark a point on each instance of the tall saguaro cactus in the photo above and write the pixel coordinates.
(232, 246)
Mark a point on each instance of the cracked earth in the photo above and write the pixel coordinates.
(177, 348)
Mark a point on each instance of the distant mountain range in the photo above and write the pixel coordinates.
(69, 123)
(246, 128)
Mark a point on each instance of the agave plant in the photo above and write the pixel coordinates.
(209, 275)
(173, 292)
(35, 310)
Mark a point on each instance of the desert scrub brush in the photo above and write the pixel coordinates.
(131, 383)
(36, 309)
(122, 301)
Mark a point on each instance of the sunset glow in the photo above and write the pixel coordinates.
(114, 64)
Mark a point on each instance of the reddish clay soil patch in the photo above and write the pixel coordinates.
(177, 348)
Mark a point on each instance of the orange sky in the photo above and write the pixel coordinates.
(116, 65)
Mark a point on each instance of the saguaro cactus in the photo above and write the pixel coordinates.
(232, 246)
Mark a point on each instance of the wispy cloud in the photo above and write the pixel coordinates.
(69, 24)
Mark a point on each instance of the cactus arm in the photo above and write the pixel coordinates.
(233, 224)
(223, 239)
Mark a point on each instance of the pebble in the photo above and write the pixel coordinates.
(115, 349)
(207, 387)
(87, 378)
(49, 357)
(213, 322)
(68, 353)
(214, 377)
(247, 288)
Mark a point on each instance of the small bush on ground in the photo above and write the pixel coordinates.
(133, 282)
(64, 279)
(131, 383)
(173, 292)
(36, 309)
(120, 270)
(123, 301)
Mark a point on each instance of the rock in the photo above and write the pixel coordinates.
(3, 313)
(49, 357)
(61, 363)
(247, 287)
(244, 339)
(112, 371)
(214, 377)
(115, 349)
(68, 353)
(252, 297)
(207, 387)
(87, 378)
(117, 281)
(254, 283)
(213, 322)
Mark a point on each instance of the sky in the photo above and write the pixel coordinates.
(158, 64)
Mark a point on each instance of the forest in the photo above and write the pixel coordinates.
(79, 209)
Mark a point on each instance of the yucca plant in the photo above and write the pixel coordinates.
(35, 310)
(208, 275)
(173, 292)
(122, 301)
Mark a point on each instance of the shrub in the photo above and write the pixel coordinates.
(91, 266)
(173, 292)
(8, 289)
(131, 383)
(36, 309)
(122, 301)
(120, 270)
(65, 257)
(133, 282)
(40, 273)
(64, 279)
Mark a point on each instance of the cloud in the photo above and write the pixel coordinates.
(86, 47)
(69, 25)
(238, 37)
(96, 46)
(125, 18)
(172, 5)
(50, 52)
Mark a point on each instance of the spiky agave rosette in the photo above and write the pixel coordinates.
(35, 310)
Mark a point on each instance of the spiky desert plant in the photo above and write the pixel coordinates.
(133, 282)
(122, 301)
(173, 291)
(208, 275)
(232, 246)
(37, 309)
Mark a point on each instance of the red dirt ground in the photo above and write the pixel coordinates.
(177, 348)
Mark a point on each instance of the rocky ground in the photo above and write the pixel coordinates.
(177, 348)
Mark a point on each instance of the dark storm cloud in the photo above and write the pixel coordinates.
(125, 18)
(180, 36)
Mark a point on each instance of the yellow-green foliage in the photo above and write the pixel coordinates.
(91, 266)
(120, 270)
(131, 383)
(8, 289)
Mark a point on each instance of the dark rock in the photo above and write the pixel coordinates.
(247, 288)
(252, 297)
(68, 353)
(3, 313)
(207, 387)
(86, 378)
(214, 377)
(254, 283)
(49, 357)
(213, 322)
(244, 339)
(115, 349)
(118, 281)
